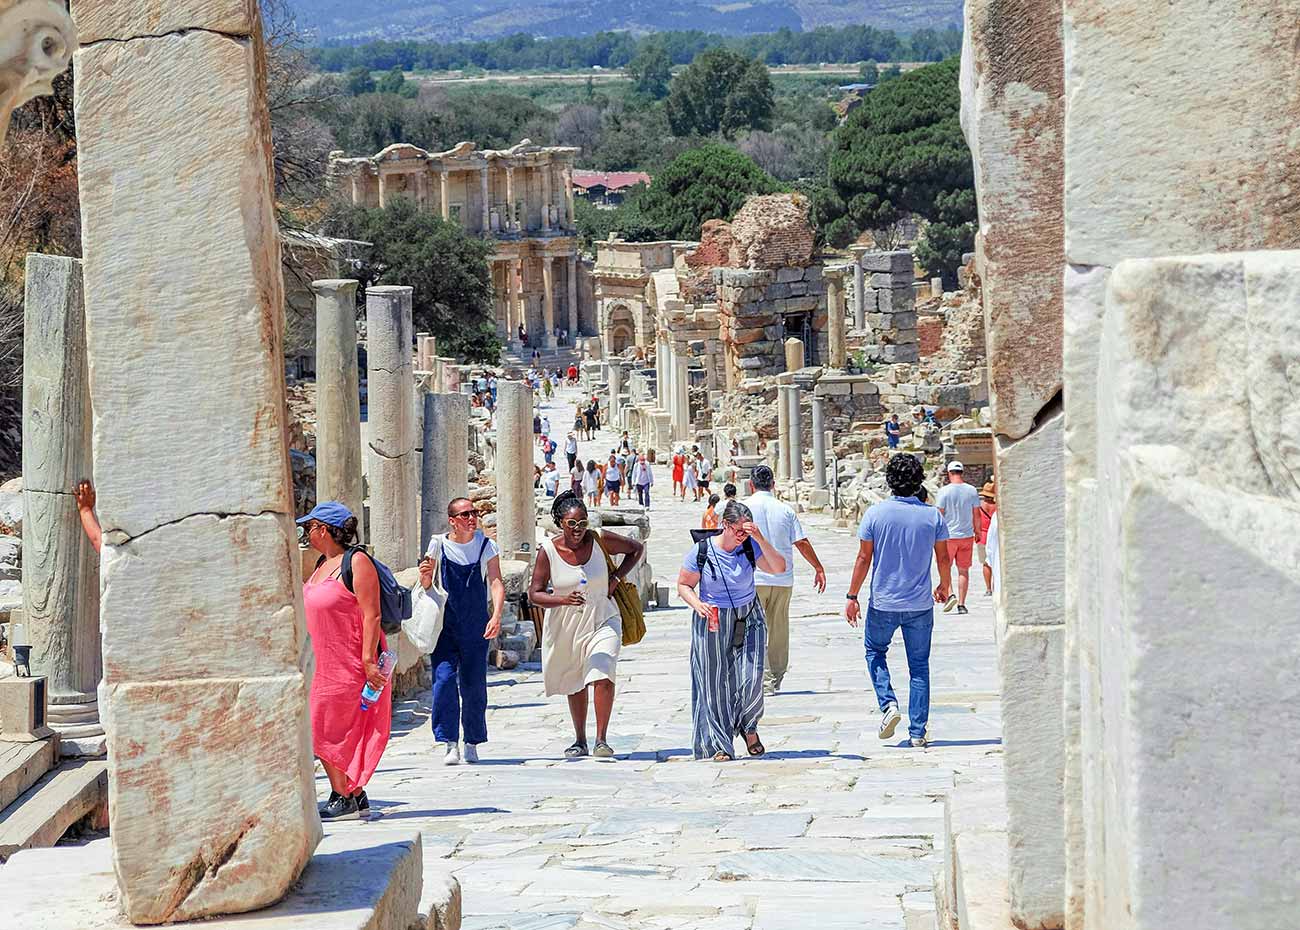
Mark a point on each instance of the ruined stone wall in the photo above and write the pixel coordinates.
(772, 231)
(890, 307)
(752, 306)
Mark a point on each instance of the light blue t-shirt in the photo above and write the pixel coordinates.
(903, 532)
(727, 579)
(958, 503)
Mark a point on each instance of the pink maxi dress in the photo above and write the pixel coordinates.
(342, 734)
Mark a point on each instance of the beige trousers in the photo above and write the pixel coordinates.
(776, 607)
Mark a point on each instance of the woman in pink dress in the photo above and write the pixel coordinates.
(344, 625)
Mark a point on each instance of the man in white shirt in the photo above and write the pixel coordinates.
(958, 502)
(780, 525)
(642, 479)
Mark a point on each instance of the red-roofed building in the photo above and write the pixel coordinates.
(606, 188)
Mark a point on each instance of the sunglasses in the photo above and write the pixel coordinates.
(465, 514)
(574, 524)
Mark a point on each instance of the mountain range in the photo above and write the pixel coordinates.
(445, 21)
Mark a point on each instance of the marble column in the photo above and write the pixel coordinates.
(444, 193)
(444, 466)
(60, 568)
(394, 529)
(210, 787)
(835, 344)
(783, 430)
(485, 198)
(338, 397)
(615, 388)
(819, 441)
(422, 189)
(682, 385)
(511, 224)
(794, 356)
(517, 296)
(516, 502)
(661, 373)
(546, 197)
(548, 302)
(570, 214)
(383, 189)
(573, 299)
(356, 190)
(859, 293)
(794, 439)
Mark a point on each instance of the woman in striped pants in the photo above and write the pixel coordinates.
(728, 633)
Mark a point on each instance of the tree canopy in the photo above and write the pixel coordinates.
(651, 70)
(705, 183)
(721, 92)
(902, 152)
(447, 268)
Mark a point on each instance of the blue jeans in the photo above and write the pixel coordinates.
(917, 626)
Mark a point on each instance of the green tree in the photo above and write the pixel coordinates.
(869, 72)
(651, 71)
(447, 268)
(709, 182)
(721, 92)
(391, 81)
(902, 152)
(358, 81)
(893, 72)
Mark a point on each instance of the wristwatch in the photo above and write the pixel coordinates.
(851, 597)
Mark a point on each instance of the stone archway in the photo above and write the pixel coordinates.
(620, 329)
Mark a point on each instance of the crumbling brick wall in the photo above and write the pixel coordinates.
(772, 231)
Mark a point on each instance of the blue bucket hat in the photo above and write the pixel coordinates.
(331, 513)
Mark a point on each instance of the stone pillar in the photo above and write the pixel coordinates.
(210, 787)
(793, 354)
(819, 441)
(546, 197)
(394, 528)
(859, 292)
(1127, 200)
(444, 467)
(485, 196)
(383, 188)
(517, 296)
(422, 189)
(681, 394)
(835, 318)
(794, 437)
(516, 501)
(570, 214)
(338, 397)
(615, 388)
(1017, 142)
(60, 568)
(548, 302)
(783, 430)
(444, 193)
(661, 373)
(573, 298)
(510, 198)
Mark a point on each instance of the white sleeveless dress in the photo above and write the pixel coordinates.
(580, 644)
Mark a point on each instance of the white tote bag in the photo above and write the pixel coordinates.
(424, 626)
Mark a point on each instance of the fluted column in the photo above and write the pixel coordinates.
(548, 301)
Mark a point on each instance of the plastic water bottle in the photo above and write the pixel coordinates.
(387, 662)
(582, 582)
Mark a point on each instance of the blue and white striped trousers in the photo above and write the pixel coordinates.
(726, 682)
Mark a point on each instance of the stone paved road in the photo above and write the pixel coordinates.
(832, 829)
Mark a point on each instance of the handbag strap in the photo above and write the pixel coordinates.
(609, 563)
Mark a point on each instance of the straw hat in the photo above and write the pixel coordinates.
(989, 492)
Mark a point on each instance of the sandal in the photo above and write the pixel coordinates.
(756, 747)
(576, 751)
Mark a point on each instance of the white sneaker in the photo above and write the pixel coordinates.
(890, 723)
(451, 754)
(471, 753)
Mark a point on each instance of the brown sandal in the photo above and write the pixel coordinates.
(756, 748)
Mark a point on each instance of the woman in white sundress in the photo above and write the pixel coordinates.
(582, 631)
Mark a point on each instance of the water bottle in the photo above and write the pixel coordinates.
(582, 582)
(387, 662)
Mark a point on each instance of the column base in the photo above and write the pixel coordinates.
(549, 341)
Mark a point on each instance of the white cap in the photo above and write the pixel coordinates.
(955, 465)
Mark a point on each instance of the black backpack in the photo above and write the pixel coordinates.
(701, 538)
(394, 600)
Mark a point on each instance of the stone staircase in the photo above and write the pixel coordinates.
(514, 356)
(40, 799)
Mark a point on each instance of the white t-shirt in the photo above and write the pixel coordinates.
(551, 480)
(706, 469)
(958, 503)
(571, 446)
(465, 553)
(780, 526)
(590, 481)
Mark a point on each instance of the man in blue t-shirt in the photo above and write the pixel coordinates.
(898, 538)
(893, 431)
